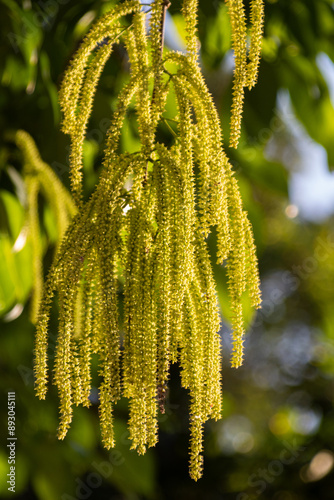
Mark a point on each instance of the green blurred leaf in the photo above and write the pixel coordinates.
(12, 214)
(217, 40)
(50, 224)
(15, 266)
(267, 175)
(21, 474)
(50, 86)
(129, 139)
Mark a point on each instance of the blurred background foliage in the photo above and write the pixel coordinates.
(276, 440)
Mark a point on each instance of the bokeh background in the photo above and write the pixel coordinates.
(276, 440)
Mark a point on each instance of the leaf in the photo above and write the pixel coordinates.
(49, 222)
(12, 215)
(15, 267)
(217, 40)
(50, 86)
(129, 139)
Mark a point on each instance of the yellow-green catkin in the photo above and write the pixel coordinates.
(41, 180)
(246, 60)
(147, 224)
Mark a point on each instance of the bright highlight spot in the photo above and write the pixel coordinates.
(243, 442)
(20, 240)
(291, 211)
(321, 464)
(13, 313)
(86, 19)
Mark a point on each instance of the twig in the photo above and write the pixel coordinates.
(169, 127)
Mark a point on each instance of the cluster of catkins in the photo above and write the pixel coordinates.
(143, 233)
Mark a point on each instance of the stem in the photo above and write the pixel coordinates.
(172, 120)
(169, 127)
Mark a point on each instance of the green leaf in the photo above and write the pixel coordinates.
(11, 215)
(21, 474)
(217, 41)
(50, 224)
(129, 139)
(15, 263)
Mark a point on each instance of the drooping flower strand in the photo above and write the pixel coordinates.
(163, 273)
(257, 18)
(80, 81)
(223, 203)
(239, 42)
(196, 329)
(40, 179)
(246, 62)
(140, 353)
(160, 89)
(32, 186)
(189, 11)
(137, 45)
